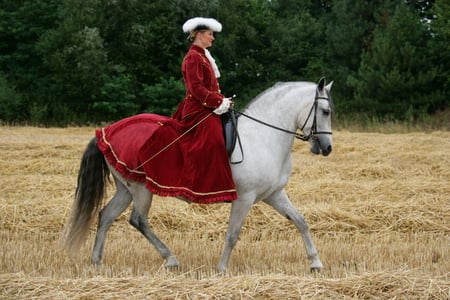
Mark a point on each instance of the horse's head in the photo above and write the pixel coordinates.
(317, 127)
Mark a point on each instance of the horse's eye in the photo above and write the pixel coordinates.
(326, 112)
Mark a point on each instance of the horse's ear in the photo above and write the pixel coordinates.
(328, 87)
(321, 83)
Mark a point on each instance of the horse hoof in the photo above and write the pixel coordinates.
(221, 269)
(96, 263)
(316, 266)
(172, 263)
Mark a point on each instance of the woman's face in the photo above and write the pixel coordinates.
(205, 38)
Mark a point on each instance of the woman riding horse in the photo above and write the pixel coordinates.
(189, 147)
(150, 154)
(206, 150)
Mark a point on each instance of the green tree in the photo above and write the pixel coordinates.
(162, 97)
(349, 32)
(79, 61)
(22, 23)
(117, 101)
(241, 47)
(297, 49)
(102, 52)
(12, 106)
(264, 42)
(440, 54)
(395, 77)
(77, 70)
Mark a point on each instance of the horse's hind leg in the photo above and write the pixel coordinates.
(139, 219)
(119, 202)
(283, 205)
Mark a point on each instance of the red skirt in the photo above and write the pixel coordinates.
(173, 159)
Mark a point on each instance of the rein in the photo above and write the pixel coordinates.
(296, 134)
(300, 136)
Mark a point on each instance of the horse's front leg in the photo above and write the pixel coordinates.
(284, 206)
(239, 211)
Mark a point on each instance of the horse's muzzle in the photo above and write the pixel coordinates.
(317, 148)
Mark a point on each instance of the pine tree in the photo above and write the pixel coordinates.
(349, 31)
(440, 55)
(395, 77)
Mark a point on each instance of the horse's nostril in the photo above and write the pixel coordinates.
(327, 151)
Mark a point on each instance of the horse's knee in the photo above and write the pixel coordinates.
(298, 220)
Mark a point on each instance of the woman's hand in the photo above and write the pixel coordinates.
(224, 106)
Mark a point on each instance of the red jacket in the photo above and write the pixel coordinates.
(202, 88)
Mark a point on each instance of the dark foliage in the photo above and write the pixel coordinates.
(76, 61)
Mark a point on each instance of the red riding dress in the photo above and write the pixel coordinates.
(182, 156)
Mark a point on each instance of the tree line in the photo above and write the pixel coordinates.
(75, 62)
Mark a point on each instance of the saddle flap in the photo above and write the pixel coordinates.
(229, 126)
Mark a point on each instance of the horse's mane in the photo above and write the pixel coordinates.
(277, 86)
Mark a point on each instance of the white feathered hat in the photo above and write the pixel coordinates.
(200, 23)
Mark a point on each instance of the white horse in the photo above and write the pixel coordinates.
(267, 129)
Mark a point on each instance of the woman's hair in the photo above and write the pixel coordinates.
(193, 34)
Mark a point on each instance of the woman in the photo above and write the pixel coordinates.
(204, 150)
(183, 156)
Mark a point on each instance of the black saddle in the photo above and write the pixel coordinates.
(230, 132)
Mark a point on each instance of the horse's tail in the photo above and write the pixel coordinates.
(89, 194)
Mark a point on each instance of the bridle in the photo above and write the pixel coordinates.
(313, 133)
(301, 136)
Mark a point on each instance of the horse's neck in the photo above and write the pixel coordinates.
(283, 106)
(279, 107)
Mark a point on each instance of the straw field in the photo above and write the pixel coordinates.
(378, 209)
